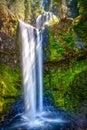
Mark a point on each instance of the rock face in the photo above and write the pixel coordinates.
(8, 36)
(60, 37)
(9, 61)
(64, 65)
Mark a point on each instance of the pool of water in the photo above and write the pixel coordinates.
(51, 118)
(47, 120)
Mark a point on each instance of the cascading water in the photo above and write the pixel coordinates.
(28, 46)
(44, 19)
(32, 65)
(39, 64)
(31, 48)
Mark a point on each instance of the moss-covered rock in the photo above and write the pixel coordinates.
(10, 88)
(67, 84)
(8, 21)
(8, 36)
(10, 75)
(63, 41)
(65, 66)
(80, 27)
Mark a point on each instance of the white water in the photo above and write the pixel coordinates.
(39, 72)
(44, 19)
(43, 3)
(31, 49)
(28, 68)
(41, 20)
(32, 65)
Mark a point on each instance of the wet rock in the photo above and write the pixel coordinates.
(79, 45)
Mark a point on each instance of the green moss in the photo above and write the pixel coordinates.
(10, 82)
(66, 82)
(63, 37)
(80, 26)
(66, 85)
(61, 41)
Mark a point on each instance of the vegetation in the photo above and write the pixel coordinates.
(82, 8)
(10, 75)
(67, 84)
(80, 23)
(10, 87)
(65, 73)
(64, 44)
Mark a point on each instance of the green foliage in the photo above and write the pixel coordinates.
(62, 40)
(54, 21)
(68, 85)
(10, 82)
(83, 8)
(80, 26)
(28, 11)
(60, 45)
(80, 23)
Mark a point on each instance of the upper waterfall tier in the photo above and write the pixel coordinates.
(44, 19)
(46, 4)
(25, 25)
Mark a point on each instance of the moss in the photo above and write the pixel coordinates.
(8, 36)
(80, 27)
(63, 40)
(66, 82)
(10, 75)
(10, 87)
(67, 85)
(8, 20)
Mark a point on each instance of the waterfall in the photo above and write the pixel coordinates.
(32, 64)
(28, 46)
(44, 19)
(46, 4)
(31, 49)
(39, 64)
